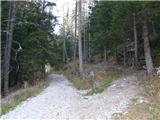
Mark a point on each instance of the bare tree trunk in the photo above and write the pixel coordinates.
(105, 55)
(153, 28)
(86, 39)
(43, 6)
(84, 36)
(116, 56)
(124, 56)
(135, 38)
(84, 46)
(80, 40)
(65, 56)
(147, 51)
(75, 45)
(8, 45)
(89, 47)
(63, 39)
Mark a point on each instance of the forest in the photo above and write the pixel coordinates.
(111, 33)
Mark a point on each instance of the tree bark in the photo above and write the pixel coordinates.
(105, 55)
(43, 6)
(135, 38)
(89, 47)
(124, 56)
(84, 35)
(80, 40)
(8, 45)
(65, 56)
(75, 35)
(84, 46)
(147, 51)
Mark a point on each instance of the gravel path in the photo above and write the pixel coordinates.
(61, 101)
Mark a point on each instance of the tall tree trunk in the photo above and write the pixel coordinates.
(147, 51)
(63, 53)
(8, 45)
(80, 40)
(135, 38)
(43, 6)
(88, 37)
(116, 56)
(84, 36)
(105, 55)
(75, 35)
(65, 56)
(124, 56)
(89, 47)
(84, 46)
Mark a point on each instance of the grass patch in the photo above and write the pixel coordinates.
(80, 84)
(154, 110)
(101, 79)
(11, 101)
(96, 90)
(151, 88)
(144, 111)
(107, 75)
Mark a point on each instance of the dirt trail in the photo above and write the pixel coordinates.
(62, 101)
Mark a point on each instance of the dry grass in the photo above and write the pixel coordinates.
(101, 79)
(151, 88)
(134, 112)
(11, 101)
(144, 111)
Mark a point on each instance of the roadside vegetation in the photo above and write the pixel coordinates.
(102, 78)
(142, 111)
(10, 102)
(148, 109)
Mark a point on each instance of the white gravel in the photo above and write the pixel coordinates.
(61, 101)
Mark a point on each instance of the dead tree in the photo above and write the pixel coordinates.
(147, 51)
(124, 56)
(80, 39)
(75, 36)
(105, 55)
(8, 44)
(65, 56)
(135, 37)
(84, 33)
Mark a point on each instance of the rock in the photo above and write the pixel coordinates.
(158, 71)
(141, 100)
(92, 74)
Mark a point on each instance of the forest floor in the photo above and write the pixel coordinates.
(62, 101)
